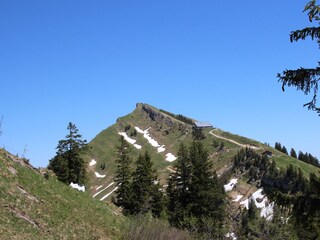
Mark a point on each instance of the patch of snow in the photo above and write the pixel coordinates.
(128, 139)
(139, 130)
(245, 203)
(261, 202)
(257, 195)
(229, 186)
(267, 211)
(238, 197)
(147, 136)
(161, 149)
(77, 186)
(231, 235)
(170, 157)
(137, 146)
(99, 187)
(103, 189)
(104, 197)
(92, 162)
(98, 175)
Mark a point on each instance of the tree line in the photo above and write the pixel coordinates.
(179, 117)
(295, 196)
(305, 157)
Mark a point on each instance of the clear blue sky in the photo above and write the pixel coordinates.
(90, 62)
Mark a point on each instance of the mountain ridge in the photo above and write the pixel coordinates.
(168, 132)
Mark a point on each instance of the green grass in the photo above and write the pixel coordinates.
(283, 161)
(237, 138)
(49, 209)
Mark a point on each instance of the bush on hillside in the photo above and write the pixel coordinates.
(145, 227)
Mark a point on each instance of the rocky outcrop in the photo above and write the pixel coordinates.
(156, 115)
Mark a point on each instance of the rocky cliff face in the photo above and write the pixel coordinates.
(156, 115)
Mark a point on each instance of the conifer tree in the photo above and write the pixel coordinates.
(278, 146)
(284, 150)
(157, 201)
(196, 197)
(144, 187)
(68, 164)
(293, 153)
(179, 188)
(305, 79)
(301, 156)
(123, 175)
(207, 201)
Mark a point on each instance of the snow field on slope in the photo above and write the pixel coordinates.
(107, 195)
(147, 136)
(161, 149)
(130, 140)
(229, 186)
(262, 202)
(103, 189)
(77, 186)
(154, 143)
(238, 197)
(92, 162)
(98, 175)
(170, 157)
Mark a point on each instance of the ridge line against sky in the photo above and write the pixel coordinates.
(90, 62)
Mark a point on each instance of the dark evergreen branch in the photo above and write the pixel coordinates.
(313, 32)
(305, 80)
(313, 9)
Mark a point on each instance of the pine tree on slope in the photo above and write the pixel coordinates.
(179, 185)
(68, 164)
(144, 186)
(123, 175)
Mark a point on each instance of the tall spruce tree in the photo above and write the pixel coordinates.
(207, 201)
(305, 79)
(144, 187)
(68, 164)
(284, 150)
(278, 146)
(179, 185)
(293, 153)
(196, 198)
(123, 176)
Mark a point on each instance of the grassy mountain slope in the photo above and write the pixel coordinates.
(170, 131)
(38, 207)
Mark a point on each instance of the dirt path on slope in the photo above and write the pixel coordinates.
(230, 140)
